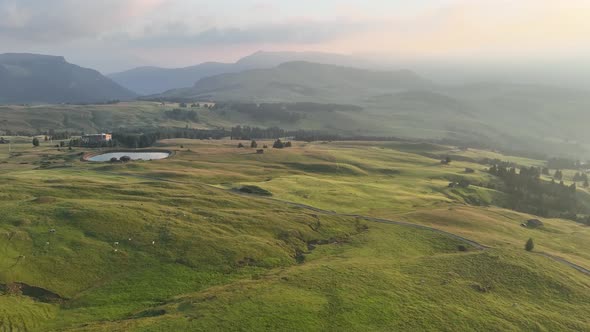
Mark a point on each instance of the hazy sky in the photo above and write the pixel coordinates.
(117, 34)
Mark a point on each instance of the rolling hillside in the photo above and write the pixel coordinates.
(170, 245)
(32, 78)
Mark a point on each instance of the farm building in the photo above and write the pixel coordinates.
(96, 139)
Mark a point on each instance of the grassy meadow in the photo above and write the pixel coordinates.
(170, 245)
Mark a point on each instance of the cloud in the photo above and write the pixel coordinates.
(500, 29)
(296, 32)
(159, 30)
(156, 23)
(66, 20)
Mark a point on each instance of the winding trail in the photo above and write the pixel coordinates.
(408, 224)
(566, 262)
(473, 243)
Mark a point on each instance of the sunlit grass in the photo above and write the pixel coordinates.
(164, 245)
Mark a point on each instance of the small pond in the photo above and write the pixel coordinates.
(133, 155)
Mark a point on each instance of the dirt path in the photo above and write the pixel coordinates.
(566, 262)
(379, 220)
(368, 218)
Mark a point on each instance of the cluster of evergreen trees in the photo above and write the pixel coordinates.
(149, 137)
(61, 135)
(249, 133)
(528, 193)
(558, 175)
(146, 138)
(581, 177)
(278, 144)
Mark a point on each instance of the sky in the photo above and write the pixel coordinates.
(113, 35)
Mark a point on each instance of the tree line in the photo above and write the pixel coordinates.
(249, 133)
(529, 193)
(138, 138)
(143, 139)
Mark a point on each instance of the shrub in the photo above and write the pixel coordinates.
(255, 190)
(530, 245)
(278, 144)
(464, 183)
(300, 258)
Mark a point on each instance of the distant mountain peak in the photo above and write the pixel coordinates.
(32, 78)
(11, 58)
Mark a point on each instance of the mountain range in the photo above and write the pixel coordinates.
(299, 81)
(153, 80)
(33, 78)
(385, 103)
(403, 103)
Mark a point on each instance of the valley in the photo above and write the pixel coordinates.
(169, 244)
(300, 166)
